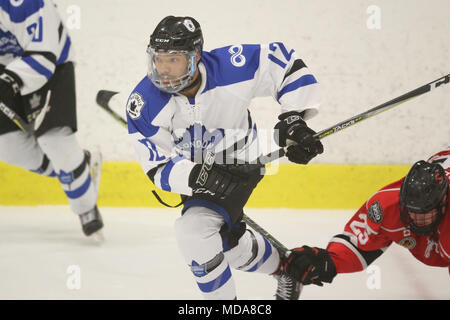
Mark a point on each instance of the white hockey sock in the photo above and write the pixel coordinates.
(46, 168)
(254, 253)
(22, 150)
(199, 240)
(68, 159)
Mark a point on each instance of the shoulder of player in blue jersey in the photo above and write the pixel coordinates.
(20, 10)
(231, 64)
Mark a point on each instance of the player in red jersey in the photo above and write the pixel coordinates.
(412, 212)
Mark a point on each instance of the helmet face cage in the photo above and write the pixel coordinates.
(167, 83)
(175, 35)
(424, 189)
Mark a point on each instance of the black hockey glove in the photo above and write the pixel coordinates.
(292, 127)
(8, 89)
(213, 179)
(310, 265)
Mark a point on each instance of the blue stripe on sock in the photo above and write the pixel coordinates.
(216, 283)
(77, 193)
(267, 253)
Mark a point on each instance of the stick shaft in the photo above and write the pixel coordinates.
(383, 107)
(277, 244)
(14, 117)
(367, 114)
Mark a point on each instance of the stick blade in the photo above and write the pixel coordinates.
(103, 97)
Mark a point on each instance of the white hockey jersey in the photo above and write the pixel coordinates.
(170, 131)
(33, 41)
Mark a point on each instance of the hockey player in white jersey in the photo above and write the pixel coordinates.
(189, 122)
(37, 83)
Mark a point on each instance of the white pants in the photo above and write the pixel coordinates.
(198, 237)
(55, 153)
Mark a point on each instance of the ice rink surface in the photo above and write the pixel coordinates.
(42, 249)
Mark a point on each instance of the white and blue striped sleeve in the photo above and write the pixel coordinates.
(43, 39)
(154, 144)
(283, 75)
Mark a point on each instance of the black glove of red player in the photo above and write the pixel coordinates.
(292, 127)
(310, 265)
(214, 179)
(8, 89)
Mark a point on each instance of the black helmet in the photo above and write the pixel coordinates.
(424, 188)
(175, 36)
(177, 33)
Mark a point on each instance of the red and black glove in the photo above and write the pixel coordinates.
(292, 127)
(310, 265)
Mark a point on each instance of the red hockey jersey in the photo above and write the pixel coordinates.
(377, 224)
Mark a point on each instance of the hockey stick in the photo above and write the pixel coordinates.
(103, 98)
(367, 114)
(14, 117)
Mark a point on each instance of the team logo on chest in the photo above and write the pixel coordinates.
(408, 243)
(197, 138)
(135, 105)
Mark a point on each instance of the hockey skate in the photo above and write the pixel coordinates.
(91, 221)
(287, 288)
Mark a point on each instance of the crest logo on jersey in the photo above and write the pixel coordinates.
(135, 105)
(9, 44)
(196, 139)
(408, 243)
(189, 25)
(375, 212)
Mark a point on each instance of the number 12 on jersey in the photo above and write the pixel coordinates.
(274, 46)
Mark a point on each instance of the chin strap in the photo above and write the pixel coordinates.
(193, 84)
